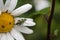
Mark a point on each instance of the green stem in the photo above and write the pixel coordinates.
(50, 20)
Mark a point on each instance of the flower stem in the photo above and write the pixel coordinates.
(50, 20)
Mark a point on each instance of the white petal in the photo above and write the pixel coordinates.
(22, 29)
(12, 5)
(0, 13)
(1, 4)
(7, 3)
(41, 4)
(21, 9)
(16, 20)
(0, 35)
(27, 20)
(17, 35)
(9, 37)
(29, 23)
(4, 37)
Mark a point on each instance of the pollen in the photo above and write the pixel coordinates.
(6, 22)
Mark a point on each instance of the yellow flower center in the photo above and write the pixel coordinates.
(6, 22)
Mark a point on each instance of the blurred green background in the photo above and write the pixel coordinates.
(40, 29)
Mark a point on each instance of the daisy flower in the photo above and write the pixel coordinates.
(11, 28)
